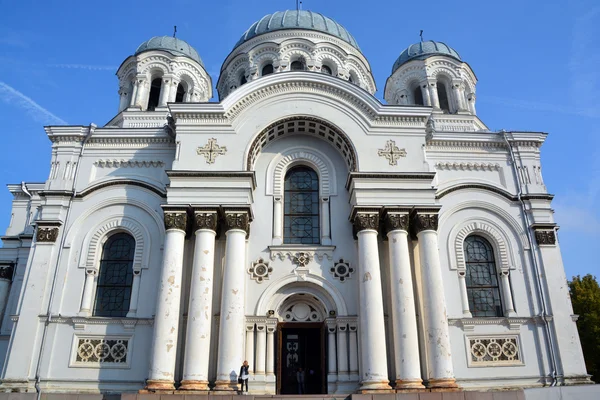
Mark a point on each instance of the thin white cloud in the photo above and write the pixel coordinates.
(85, 66)
(12, 96)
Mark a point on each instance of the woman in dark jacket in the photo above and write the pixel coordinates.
(243, 377)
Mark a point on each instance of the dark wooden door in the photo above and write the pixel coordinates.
(300, 346)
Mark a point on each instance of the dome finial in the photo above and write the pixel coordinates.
(175, 30)
(421, 34)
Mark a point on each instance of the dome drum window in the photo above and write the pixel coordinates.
(154, 96)
(267, 69)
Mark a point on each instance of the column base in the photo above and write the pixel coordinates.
(442, 383)
(409, 384)
(194, 385)
(375, 387)
(225, 387)
(157, 384)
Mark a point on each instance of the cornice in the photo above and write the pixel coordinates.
(493, 189)
(428, 176)
(121, 141)
(213, 174)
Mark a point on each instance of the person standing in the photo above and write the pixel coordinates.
(243, 377)
(300, 378)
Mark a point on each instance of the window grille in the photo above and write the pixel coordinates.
(482, 282)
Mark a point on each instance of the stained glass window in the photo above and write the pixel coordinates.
(113, 291)
(482, 280)
(301, 206)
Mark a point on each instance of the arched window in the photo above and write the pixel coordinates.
(483, 289)
(350, 78)
(418, 96)
(326, 70)
(113, 291)
(267, 69)
(298, 65)
(443, 97)
(180, 96)
(154, 97)
(301, 206)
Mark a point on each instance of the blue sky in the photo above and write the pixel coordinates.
(538, 65)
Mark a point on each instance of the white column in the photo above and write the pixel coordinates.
(331, 356)
(435, 100)
(353, 356)
(271, 350)
(459, 96)
(437, 337)
(135, 293)
(464, 296)
(404, 319)
(165, 88)
(261, 352)
(168, 299)
(250, 346)
(199, 323)
(232, 321)
(88, 292)
(342, 350)
(471, 101)
(374, 374)
(277, 220)
(123, 99)
(325, 224)
(6, 275)
(134, 92)
(509, 308)
(141, 97)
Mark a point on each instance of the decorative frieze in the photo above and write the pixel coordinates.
(545, 237)
(468, 166)
(396, 221)
(237, 220)
(364, 220)
(129, 163)
(102, 351)
(301, 259)
(423, 221)
(302, 312)
(342, 270)
(391, 152)
(260, 270)
(46, 233)
(211, 150)
(494, 351)
(206, 220)
(175, 220)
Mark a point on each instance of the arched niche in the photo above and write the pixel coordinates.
(303, 126)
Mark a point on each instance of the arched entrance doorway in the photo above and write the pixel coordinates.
(300, 358)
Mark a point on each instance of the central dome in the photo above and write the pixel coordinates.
(297, 19)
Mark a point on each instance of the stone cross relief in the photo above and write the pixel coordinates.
(392, 152)
(211, 150)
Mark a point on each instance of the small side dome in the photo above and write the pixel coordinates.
(171, 44)
(422, 50)
(297, 19)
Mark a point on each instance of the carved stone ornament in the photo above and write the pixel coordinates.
(302, 259)
(175, 220)
(260, 270)
(545, 237)
(206, 220)
(392, 152)
(211, 150)
(237, 220)
(342, 270)
(363, 221)
(424, 222)
(46, 234)
(6, 272)
(396, 221)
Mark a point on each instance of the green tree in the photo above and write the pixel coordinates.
(585, 296)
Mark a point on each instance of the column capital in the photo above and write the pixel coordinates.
(47, 232)
(545, 237)
(175, 219)
(363, 219)
(331, 325)
(206, 219)
(237, 219)
(396, 220)
(424, 220)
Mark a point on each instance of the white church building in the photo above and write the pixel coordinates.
(297, 222)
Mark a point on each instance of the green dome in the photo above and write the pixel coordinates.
(173, 45)
(422, 50)
(297, 19)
